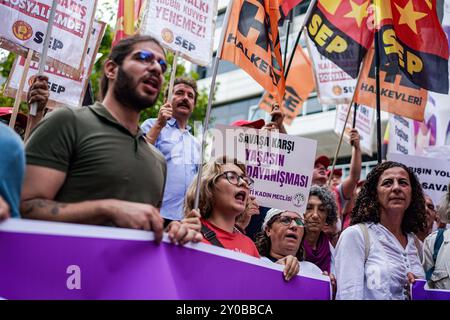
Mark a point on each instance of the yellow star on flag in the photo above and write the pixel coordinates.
(409, 16)
(359, 12)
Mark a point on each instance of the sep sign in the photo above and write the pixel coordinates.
(186, 26)
(24, 23)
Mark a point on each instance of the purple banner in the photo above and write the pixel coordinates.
(419, 292)
(42, 260)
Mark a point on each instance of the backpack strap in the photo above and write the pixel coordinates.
(418, 247)
(437, 245)
(365, 232)
(211, 236)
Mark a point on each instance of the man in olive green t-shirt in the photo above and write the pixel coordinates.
(93, 165)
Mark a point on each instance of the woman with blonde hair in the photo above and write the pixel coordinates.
(224, 192)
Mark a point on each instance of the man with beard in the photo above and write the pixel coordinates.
(170, 133)
(93, 165)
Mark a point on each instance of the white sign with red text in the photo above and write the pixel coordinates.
(24, 22)
(186, 26)
(63, 88)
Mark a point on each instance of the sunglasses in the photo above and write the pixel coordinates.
(285, 220)
(234, 178)
(19, 130)
(149, 57)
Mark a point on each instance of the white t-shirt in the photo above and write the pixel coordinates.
(384, 275)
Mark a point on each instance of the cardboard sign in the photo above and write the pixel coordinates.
(25, 23)
(281, 165)
(401, 135)
(433, 174)
(186, 26)
(63, 88)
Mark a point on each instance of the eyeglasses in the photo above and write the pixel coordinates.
(285, 220)
(149, 57)
(234, 178)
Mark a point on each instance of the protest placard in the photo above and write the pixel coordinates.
(280, 164)
(49, 260)
(63, 88)
(433, 174)
(334, 85)
(364, 124)
(401, 135)
(24, 24)
(186, 26)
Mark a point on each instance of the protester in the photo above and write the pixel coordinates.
(243, 220)
(39, 94)
(436, 250)
(21, 120)
(320, 210)
(170, 133)
(92, 165)
(4, 210)
(336, 179)
(224, 190)
(12, 170)
(281, 237)
(430, 215)
(377, 257)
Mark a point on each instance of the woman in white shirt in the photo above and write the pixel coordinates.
(377, 257)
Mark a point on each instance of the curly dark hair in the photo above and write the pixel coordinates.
(367, 206)
(327, 198)
(263, 242)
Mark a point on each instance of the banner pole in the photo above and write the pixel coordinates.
(288, 30)
(173, 75)
(355, 110)
(18, 98)
(346, 120)
(210, 100)
(307, 15)
(377, 88)
(43, 58)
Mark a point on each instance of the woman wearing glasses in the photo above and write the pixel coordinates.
(224, 193)
(280, 239)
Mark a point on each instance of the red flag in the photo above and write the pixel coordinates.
(252, 43)
(127, 18)
(288, 5)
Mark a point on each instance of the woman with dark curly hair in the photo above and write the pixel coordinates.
(377, 256)
(321, 210)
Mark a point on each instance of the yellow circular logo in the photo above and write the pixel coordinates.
(167, 35)
(337, 90)
(22, 30)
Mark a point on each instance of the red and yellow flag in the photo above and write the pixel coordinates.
(252, 43)
(410, 34)
(127, 19)
(299, 84)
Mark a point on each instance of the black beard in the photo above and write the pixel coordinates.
(125, 92)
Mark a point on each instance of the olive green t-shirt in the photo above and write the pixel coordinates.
(101, 158)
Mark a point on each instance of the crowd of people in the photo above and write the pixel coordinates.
(96, 165)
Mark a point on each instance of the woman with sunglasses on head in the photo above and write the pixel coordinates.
(224, 190)
(280, 239)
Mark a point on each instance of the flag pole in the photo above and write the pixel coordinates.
(352, 102)
(288, 30)
(18, 99)
(307, 15)
(42, 60)
(210, 100)
(173, 75)
(377, 86)
(355, 110)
